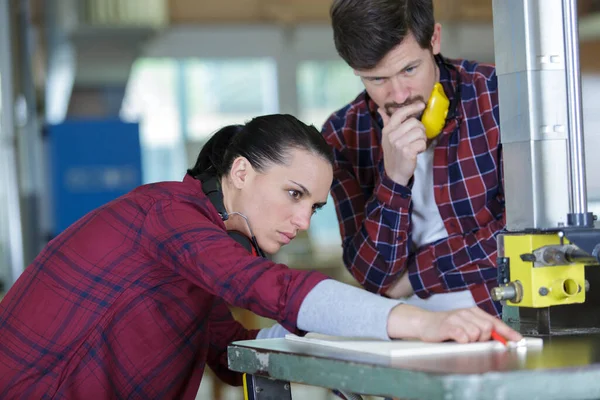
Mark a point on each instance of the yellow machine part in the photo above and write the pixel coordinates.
(248, 394)
(542, 286)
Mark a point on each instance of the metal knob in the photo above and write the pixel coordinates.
(513, 291)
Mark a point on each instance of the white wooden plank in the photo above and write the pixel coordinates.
(409, 348)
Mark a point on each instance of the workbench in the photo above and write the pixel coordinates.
(568, 367)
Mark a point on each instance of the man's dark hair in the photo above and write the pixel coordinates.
(364, 31)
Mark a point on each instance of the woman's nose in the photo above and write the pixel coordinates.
(302, 219)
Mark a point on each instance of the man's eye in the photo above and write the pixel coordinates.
(296, 195)
(372, 80)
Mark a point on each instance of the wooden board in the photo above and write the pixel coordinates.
(410, 348)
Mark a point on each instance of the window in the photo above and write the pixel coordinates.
(180, 103)
(323, 88)
(225, 92)
(151, 99)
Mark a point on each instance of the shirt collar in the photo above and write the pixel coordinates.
(189, 179)
(194, 183)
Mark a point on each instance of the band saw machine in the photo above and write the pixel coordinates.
(547, 258)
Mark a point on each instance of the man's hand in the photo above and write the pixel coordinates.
(463, 326)
(403, 138)
(401, 288)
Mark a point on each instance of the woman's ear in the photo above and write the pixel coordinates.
(239, 173)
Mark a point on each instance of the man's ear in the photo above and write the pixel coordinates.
(239, 172)
(436, 39)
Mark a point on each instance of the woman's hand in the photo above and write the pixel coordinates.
(463, 325)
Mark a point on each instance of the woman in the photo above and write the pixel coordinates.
(131, 301)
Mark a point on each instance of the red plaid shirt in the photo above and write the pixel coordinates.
(375, 212)
(131, 301)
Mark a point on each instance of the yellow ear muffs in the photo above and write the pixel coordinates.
(434, 116)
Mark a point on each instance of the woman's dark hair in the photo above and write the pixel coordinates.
(364, 31)
(264, 141)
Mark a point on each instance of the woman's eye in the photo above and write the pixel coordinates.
(296, 195)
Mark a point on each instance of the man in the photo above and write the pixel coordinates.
(419, 217)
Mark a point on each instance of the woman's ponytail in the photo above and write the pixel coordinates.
(211, 159)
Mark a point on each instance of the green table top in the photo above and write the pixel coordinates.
(568, 367)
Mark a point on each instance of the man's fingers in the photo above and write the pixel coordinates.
(405, 112)
(485, 327)
(403, 139)
(412, 149)
(506, 331)
(498, 325)
(457, 334)
(384, 117)
(409, 126)
(411, 139)
(463, 320)
(418, 146)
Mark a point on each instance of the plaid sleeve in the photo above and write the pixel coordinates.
(181, 237)
(462, 261)
(374, 231)
(224, 330)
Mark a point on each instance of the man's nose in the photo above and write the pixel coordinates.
(399, 92)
